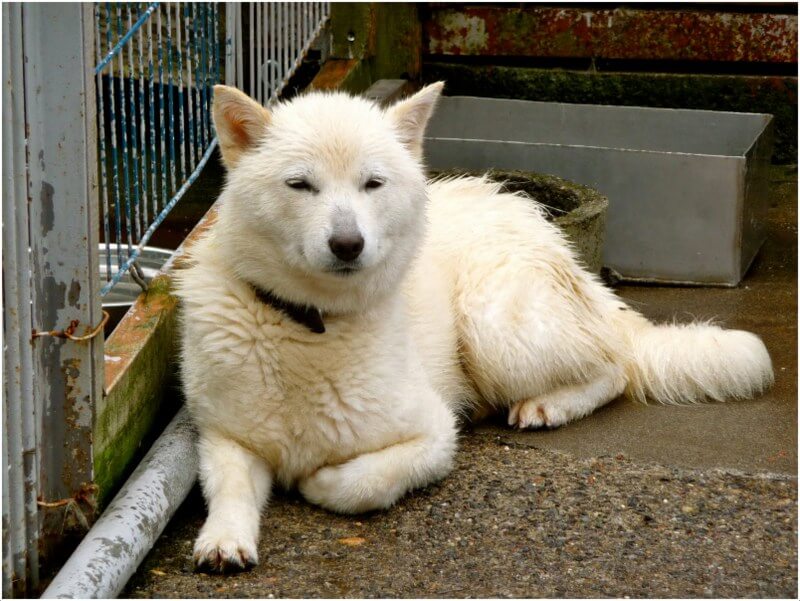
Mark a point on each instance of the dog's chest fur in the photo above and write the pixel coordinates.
(298, 399)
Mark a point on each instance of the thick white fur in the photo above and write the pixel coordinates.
(484, 309)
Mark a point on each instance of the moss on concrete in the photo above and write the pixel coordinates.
(774, 95)
(140, 361)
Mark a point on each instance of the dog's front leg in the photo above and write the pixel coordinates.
(378, 479)
(236, 484)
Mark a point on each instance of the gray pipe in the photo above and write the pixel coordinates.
(115, 546)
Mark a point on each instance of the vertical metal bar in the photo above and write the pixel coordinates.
(161, 116)
(210, 41)
(239, 48)
(230, 43)
(101, 134)
(62, 197)
(207, 69)
(306, 21)
(273, 45)
(198, 79)
(268, 51)
(276, 47)
(124, 135)
(134, 135)
(259, 82)
(203, 75)
(190, 90)
(170, 107)
(152, 139)
(301, 23)
(286, 56)
(217, 40)
(113, 87)
(250, 82)
(20, 485)
(142, 119)
(197, 84)
(20, 473)
(263, 62)
(8, 577)
(278, 44)
(185, 169)
(292, 33)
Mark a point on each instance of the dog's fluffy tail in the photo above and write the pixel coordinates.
(682, 364)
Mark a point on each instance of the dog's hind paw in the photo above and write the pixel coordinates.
(223, 555)
(536, 413)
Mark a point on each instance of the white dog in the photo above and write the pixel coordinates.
(342, 312)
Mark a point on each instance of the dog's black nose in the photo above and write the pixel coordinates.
(347, 247)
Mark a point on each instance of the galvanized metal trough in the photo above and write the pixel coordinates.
(687, 189)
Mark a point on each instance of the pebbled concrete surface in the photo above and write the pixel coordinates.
(516, 521)
(643, 501)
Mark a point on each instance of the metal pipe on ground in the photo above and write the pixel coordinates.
(118, 542)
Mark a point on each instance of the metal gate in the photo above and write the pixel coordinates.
(53, 347)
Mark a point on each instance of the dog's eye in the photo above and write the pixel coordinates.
(373, 183)
(299, 184)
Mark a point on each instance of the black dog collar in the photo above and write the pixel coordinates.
(309, 317)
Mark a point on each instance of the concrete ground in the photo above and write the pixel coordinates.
(639, 501)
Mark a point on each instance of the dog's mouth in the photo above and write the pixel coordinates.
(344, 270)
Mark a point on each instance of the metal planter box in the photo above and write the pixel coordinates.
(687, 189)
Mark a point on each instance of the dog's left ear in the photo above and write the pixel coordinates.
(412, 114)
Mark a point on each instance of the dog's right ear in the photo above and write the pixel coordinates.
(240, 122)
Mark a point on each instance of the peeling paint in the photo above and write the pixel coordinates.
(74, 294)
(466, 34)
(620, 33)
(48, 212)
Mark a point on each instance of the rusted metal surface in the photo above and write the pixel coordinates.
(333, 73)
(63, 206)
(619, 33)
(50, 218)
(20, 452)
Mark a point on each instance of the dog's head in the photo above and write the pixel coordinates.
(325, 196)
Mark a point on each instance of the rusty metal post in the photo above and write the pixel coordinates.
(20, 455)
(62, 201)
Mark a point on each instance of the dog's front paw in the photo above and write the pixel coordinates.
(221, 551)
(345, 489)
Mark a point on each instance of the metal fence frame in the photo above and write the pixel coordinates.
(154, 124)
(275, 40)
(50, 278)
